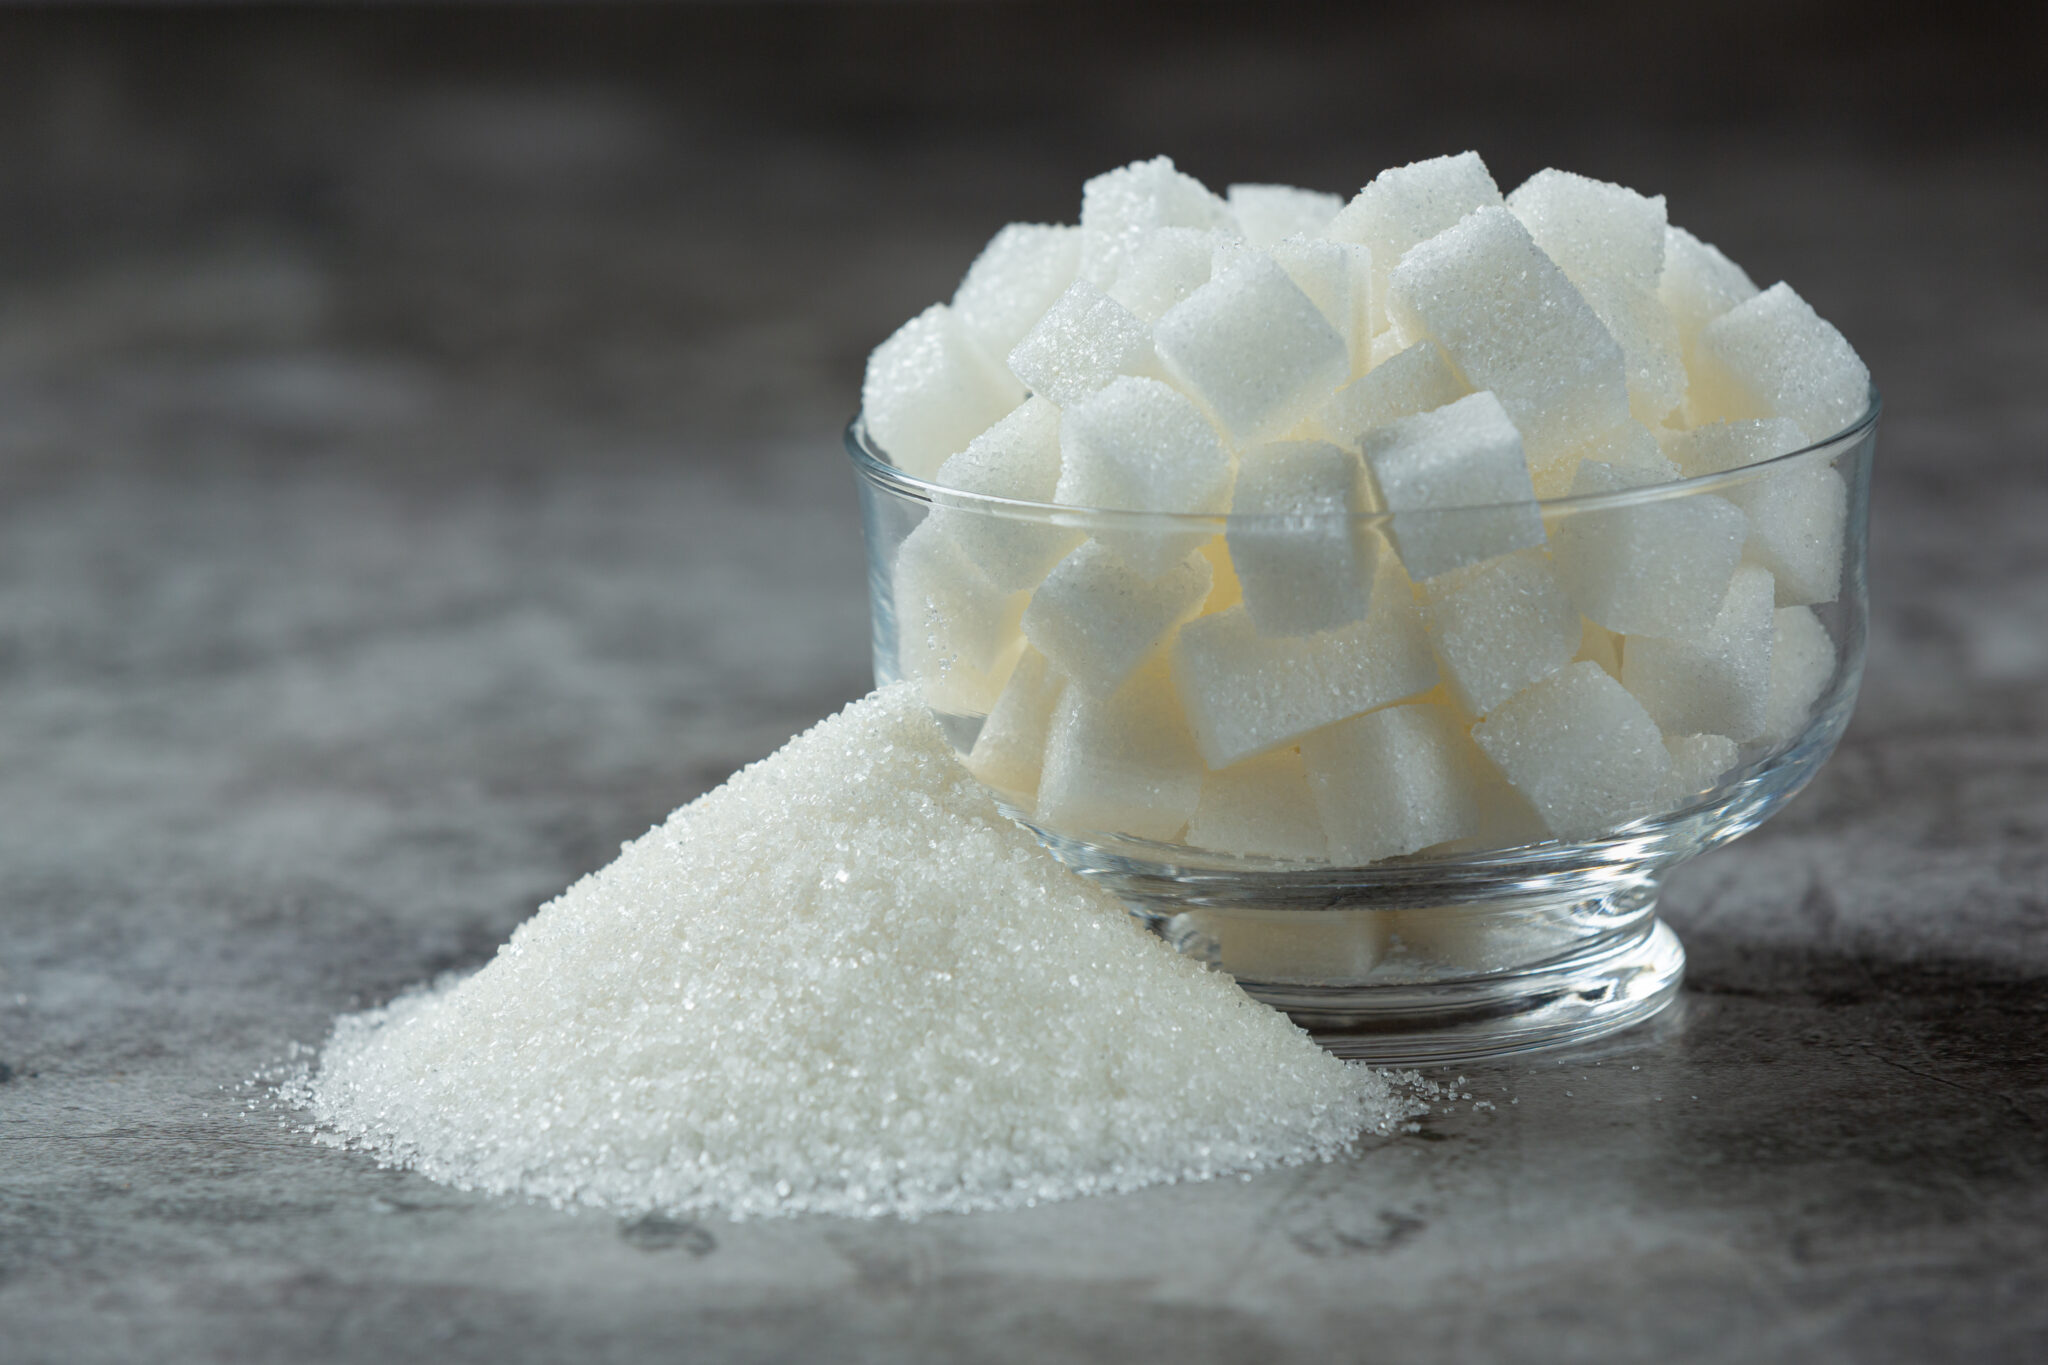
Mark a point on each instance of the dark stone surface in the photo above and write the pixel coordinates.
(418, 473)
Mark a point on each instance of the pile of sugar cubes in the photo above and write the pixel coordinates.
(1480, 667)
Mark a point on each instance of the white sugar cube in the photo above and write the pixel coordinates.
(929, 390)
(1253, 348)
(1337, 277)
(1512, 323)
(1499, 626)
(1009, 752)
(1457, 483)
(1095, 619)
(957, 633)
(1657, 567)
(1416, 379)
(1477, 938)
(1697, 286)
(1773, 356)
(1085, 340)
(1393, 781)
(1166, 266)
(1267, 213)
(1119, 207)
(1609, 241)
(1697, 762)
(1303, 560)
(1140, 445)
(1246, 693)
(1798, 515)
(1260, 808)
(1013, 281)
(1716, 681)
(1121, 764)
(1286, 947)
(1629, 447)
(1802, 666)
(1408, 204)
(1019, 459)
(1581, 750)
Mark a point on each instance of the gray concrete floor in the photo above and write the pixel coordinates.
(418, 473)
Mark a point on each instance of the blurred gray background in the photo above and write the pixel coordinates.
(419, 472)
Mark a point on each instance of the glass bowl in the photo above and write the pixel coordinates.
(1509, 937)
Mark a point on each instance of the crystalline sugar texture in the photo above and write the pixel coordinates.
(1303, 561)
(1253, 348)
(1009, 752)
(1121, 764)
(1267, 213)
(1697, 762)
(1165, 267)
(1139, 445)
(1095, 620)
(1659, 567)
(1245, 693)
(1085, 340)
(1802, 666)
(1697, 286)
(1414, 380)
(1499, 626)
(1629, 447)
(1513, 323)
(1408, 204)
(1715, 682)
(1017, 276)
(1457, 483)
(929, 391)
(1019, 459)
(1337, 277)
(1393, 781)
(1609, 241)
(1119, 207)
(1798, 515)
(1260, 808)
(1581, 749)
(1773, 356)
(956, 633)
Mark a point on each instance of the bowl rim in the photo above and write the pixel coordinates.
(872, 464)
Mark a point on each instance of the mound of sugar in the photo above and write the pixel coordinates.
(840, 983)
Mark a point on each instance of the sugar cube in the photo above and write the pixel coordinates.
(1166, 266)
(1285, 947)
(1013, 281)
(1121, 764)
(1802, 666)
(1254, 349)
(1119, 207)
(1009, 751)
(1408, 204)
(1413, 380)
(1656, 567)
(1512, 323)
(1267, 213)
(1798, 515)
(957, 633)
(1393, 781)
(1499, 626)
(1609, 241)
(1697, 762)
(929, 390)
(1260, 808)
(1095, 619)
(1457, 483)
(1629, 447)
(1337, 277)
(1477, 938)
(1697, 286)
(1718, 680)
(1773, 356)
(1019, 459)
(1246, 693)
(1303, 560)
(1140, 445)
(1581, 749)
(1085, 340)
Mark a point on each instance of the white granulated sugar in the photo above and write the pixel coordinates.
(841, 983)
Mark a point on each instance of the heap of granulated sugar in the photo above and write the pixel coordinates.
(841, 983)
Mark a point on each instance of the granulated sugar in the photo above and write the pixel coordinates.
(842, 983)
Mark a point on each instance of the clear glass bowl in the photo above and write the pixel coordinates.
(1507, 939)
